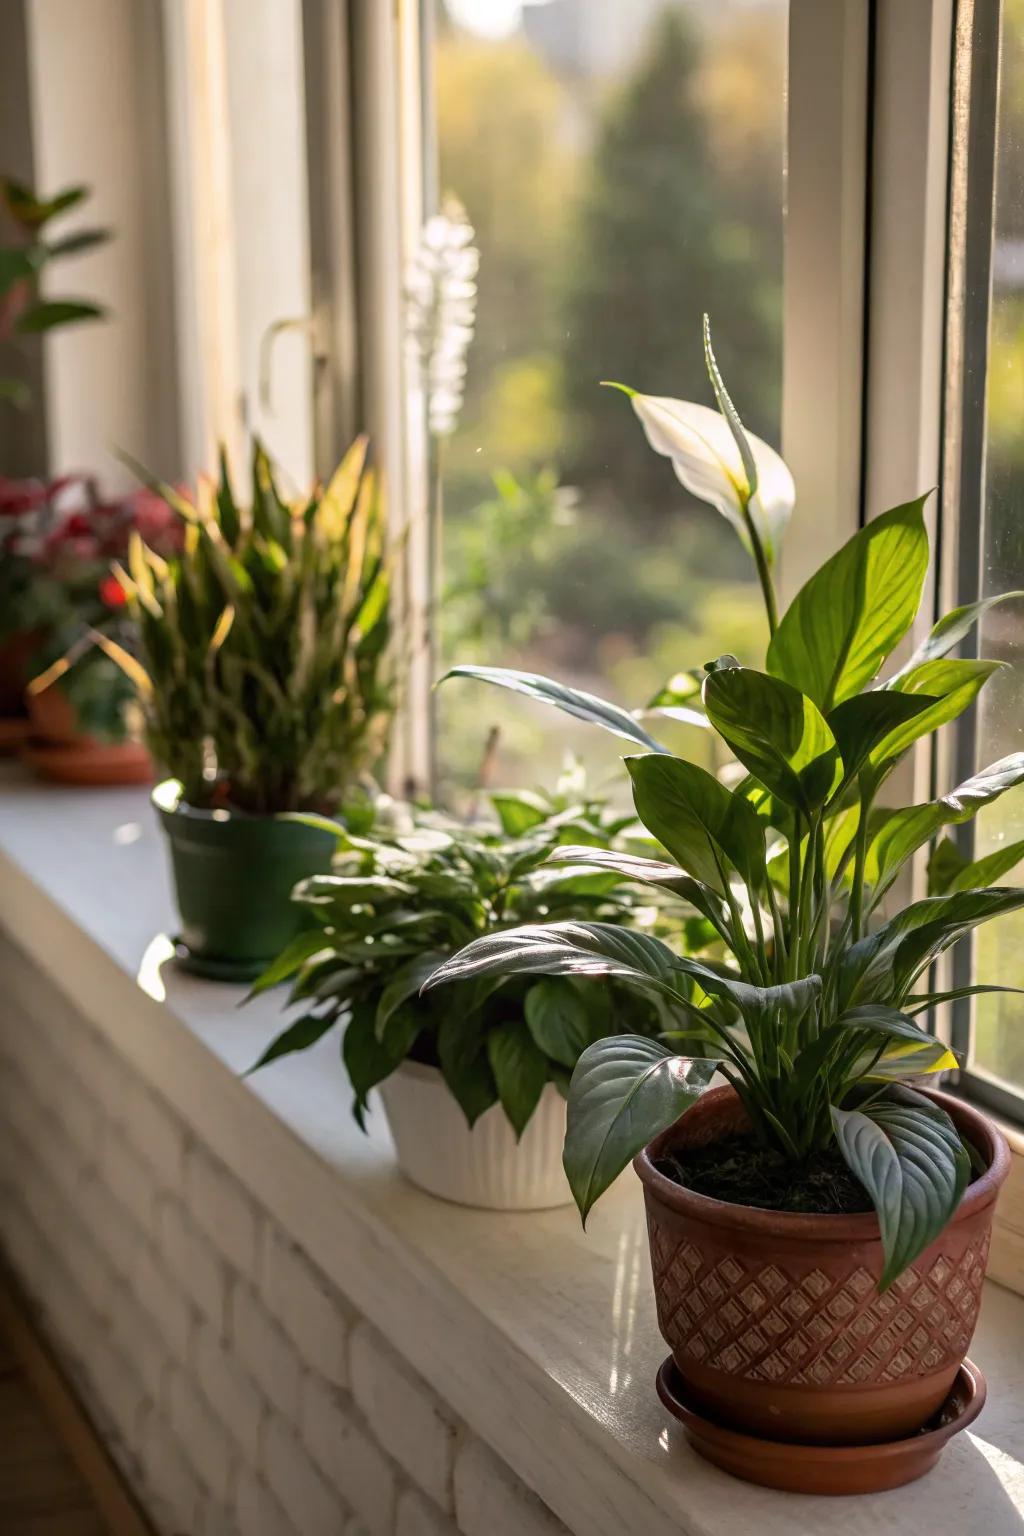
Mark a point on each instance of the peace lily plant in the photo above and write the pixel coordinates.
(807, 990)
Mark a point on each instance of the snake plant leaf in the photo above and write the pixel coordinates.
(582, 706)
(707, 461)
(776, 732)
(852, 613)
(950, 630)
(703, 825)
(624, 1091)
(520, 1070)
(908, 1155)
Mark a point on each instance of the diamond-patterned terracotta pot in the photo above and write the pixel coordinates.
(775, 1320)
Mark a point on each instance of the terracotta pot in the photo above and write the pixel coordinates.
(60, 750)
(15, 671)
(484, 1166)
(775, 1320)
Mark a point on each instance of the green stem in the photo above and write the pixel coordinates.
(860, 858)
(764, 573)
(794, 898)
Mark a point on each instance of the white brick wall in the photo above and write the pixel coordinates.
(236, 1385)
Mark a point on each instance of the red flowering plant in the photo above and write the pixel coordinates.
(69, 593)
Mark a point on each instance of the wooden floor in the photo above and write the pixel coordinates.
(42, 1493)
(56, 1478)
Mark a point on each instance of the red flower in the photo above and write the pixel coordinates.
(112, 593)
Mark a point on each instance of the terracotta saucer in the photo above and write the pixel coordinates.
(831, 1469)
(92, 763)
(14, 732)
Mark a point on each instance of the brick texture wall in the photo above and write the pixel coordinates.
(237, 1388)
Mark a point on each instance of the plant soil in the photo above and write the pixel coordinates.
(739, 1171)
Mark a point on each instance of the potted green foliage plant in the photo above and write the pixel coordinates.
(265, 684)
(819, 1225)
(473, 1082)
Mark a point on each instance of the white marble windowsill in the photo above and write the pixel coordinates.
(541, 1338)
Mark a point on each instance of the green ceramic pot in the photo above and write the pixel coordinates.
(233, 876)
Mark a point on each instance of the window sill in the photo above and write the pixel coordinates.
(541, 1338)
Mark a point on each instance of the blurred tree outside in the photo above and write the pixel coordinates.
(611, 209)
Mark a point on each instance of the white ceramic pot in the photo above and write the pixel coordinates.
(484, 1166)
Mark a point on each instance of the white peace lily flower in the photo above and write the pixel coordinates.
(707, 461)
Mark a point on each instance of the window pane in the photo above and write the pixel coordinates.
(998, 1042)
(622, 162)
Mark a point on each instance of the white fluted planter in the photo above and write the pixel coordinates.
(484, 1166)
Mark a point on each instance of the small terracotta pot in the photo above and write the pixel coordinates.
(15, 671)
(775, 1321)
(58, 749)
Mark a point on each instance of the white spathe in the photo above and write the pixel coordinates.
(707, 461)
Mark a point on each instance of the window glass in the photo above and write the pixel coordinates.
(622, 163)
(998, 1041)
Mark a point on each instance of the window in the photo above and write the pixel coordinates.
(622, 165)
(991, 530)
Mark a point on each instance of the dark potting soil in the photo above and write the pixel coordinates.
(742, 1172)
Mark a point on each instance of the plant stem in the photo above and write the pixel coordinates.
(860, 858)
(794, 898)
(764, 573)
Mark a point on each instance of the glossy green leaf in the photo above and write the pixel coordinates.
(653, 872)
(908, 1155)
(367, 1060)
(465, 1064)
(582, 706)
(564, 949)
(944, 865)
(302, 948)
(990, 868)
(624, 1091)
(520, 1071)
(704, 826)
(953, 685)
(777, 733)
(854, 610)
(883, 966)
(904, 831)
(49, 313)
(861, 723)
(955, 626)
(405, 983)
(519, 811)
(297, 1037)
(559, 1020)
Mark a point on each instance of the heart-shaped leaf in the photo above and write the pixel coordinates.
(854, 610)
(573, 701)
(776, 732)
(624, 1091)
(908, 1155)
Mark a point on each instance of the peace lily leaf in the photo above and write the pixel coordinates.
(984, 871)
(682, 688)
(302, 948)
(297, 1037)
(405, 983)
(944, 865)
(908, 1155)
(519, 811)
(653, 872)
(707, 462)
(465, 1064)
(950, 630)
(914, 1050)
(582, 706)
(367, 1061)
(624, 1091)
(860, 723)
(921, 1000)
(952, 685)
(698, 820)
(561, 1023)
(520, 1071)
(777, 733)
(906, 830)
(564, 949)
(883, 965)
(903, 1060)
(855, 609)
